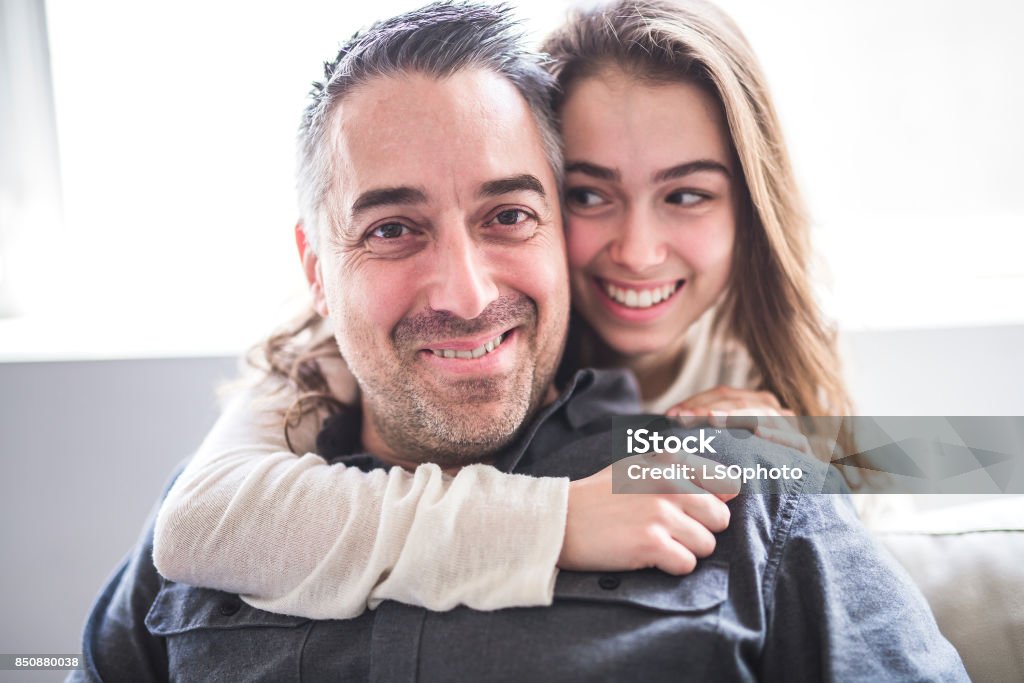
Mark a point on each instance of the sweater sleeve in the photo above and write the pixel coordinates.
(297, 536)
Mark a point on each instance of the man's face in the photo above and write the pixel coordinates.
(444, 274)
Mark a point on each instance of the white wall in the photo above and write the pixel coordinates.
(85, 449)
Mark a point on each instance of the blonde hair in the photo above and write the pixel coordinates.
(769, 304)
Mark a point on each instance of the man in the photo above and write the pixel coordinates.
(433, 243)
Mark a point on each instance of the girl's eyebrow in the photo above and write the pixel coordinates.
(678, 171)
(592, 170)
(691, 167)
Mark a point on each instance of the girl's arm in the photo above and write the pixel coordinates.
(298, 536)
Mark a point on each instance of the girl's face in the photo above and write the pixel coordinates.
(651, 208)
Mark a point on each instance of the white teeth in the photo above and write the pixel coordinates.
(478, 352)
(640, 298)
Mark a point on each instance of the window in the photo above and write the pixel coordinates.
(176, 126)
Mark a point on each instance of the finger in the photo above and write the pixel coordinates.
(688, 419)
(785, 437)
(709, 511)
(699, 478)
(748, 397)
(740, 418)
(724, 489)
(703, 398)
(733, 420)
(691, 534)
(679, 410)
(743, 406)
(672, 557)
(780, 422)
(769, 399)
(743, 398)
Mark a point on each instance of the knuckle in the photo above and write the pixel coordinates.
(658, 512)
(688, 563)
(705, 545)
(664, 510)
(720, 516)
(650, 539)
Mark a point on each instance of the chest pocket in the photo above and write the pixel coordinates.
(703, 590)
(679, 617)
(212, 635)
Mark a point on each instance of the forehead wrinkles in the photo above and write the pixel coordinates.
(416, 130)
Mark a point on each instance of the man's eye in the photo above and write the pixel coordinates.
(509, 216)
(389, 231)
(583, 197)
(512, 218)
(686, 198)
(393, 239)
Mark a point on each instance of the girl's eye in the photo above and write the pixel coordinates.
(686, 198)
(389, 231)
(583, 197)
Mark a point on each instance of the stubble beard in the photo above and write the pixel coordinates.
(423, 427)
(444, 421)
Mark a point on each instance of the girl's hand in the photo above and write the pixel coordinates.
(765, 416)
(607, 531)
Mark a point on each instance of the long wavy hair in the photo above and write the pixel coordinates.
(769, 304)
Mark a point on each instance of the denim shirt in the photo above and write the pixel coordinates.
(796, 590)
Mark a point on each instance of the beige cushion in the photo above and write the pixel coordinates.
(968, 561)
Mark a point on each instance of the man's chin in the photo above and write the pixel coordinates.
(469, 424)
(486, 393)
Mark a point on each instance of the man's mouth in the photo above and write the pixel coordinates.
(466, 354)
(640, 297)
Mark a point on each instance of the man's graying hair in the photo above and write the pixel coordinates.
(438, 40)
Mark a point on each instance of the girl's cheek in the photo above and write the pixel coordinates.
(707, 248)
(583, 242)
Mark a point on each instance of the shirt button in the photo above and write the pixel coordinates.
(230, 607)
(609, 583)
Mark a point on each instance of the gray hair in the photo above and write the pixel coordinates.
(438, 40)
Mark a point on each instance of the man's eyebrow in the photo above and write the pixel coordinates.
(691, 167)
(523, 182)
(592, 170)
(385, 196)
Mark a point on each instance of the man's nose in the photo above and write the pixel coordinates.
(463, 283)
(639, 244)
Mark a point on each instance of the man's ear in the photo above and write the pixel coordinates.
(311, 267)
